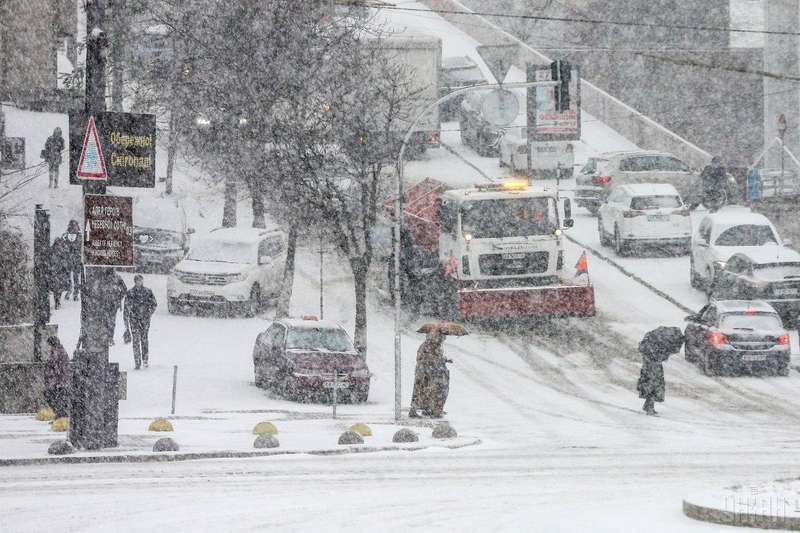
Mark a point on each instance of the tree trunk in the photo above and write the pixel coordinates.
(172, 149)
(359, 267)
(229, 210)
(285, 297)
(257, 197)
(117, 53)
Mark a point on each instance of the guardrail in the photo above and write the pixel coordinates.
(627, 121)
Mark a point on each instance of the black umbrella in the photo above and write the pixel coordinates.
(661, 342)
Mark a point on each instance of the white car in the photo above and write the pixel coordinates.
(548, 157)
(233, 268)
(644, 214)
(732, 229)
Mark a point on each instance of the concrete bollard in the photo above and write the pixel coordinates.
(350, 437)
(266, 440)
(405, 435)
(165, 444)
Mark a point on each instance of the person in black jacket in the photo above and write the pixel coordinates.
(58, 270)
(51, 153)
(140, 304)
(73, 241)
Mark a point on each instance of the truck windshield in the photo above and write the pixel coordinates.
(516, 217)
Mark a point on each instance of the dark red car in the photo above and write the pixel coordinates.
(301, 359)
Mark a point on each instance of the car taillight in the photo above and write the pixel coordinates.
(433, 138)
(681, 212)
(601, 180)
(522, 149)
(717, 338)
(783, 340)
(630, 213)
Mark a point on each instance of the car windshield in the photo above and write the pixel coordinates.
(655, 163)
(223, 252)
(752, 321)
(518, 217)
(655, 202)
(318, 339)
(746, 235)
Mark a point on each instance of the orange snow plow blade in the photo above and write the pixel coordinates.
(562, 300)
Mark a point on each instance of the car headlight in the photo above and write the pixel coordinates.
(720, 265)
(233, 278)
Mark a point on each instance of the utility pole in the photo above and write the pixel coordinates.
(94, 407)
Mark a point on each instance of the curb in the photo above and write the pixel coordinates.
(730, 518)
(633, 276)
(173, 457)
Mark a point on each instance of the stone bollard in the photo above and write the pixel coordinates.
(266, 440)
(350, 437)
(61, 447)
(443, 430)
(405, 435)
(362, 429)
(165, 444)
(160, 424)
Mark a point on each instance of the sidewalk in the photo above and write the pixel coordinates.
(24, 440)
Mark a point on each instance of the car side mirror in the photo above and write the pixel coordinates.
(189, 231)
(568, 222)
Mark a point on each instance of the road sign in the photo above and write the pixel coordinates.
(92, 164)
(498, 58)
(12, 153)
(108, 231)
(500, 107)
(545, 123)
(120, 145)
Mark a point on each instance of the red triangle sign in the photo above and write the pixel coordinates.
(92, 165)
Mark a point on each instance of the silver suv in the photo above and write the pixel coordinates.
(594, 181)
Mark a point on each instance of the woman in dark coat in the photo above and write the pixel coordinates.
(56, 378)
(428, 355)
(656, 347)
(59, 279)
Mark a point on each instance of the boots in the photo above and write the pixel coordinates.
(649, 407)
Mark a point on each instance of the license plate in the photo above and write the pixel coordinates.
(331, 385)
(754, 357)
(786, 292)
(657, 218)
(513, 256)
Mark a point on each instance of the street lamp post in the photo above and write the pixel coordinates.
(398, 214)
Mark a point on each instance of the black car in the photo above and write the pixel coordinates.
(729, 336)
(301, 359)
(770, 273)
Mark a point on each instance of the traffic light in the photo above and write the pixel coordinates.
(561, 71)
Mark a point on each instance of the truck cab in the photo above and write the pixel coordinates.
(501, 231)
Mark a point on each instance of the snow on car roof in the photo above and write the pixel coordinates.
(737, 215)
(240, 234)
(650, 189)
(738, 306)
(634, 152)
(299, 323)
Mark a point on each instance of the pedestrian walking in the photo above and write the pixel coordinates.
(58, 270)
(73, 241)
(140, 304)
(656, 347)
(431, 376)
(117, 292)
(51, 153)
(56, 378)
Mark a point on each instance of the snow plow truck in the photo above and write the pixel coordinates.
(491, 251)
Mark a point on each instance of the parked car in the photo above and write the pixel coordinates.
(458, 72)
(765, 274)
(298, 358)
(644, 214)
(161, 234)
(234, 268)
(594, 181)
(548, 157)
(729, 336)
(719, 235)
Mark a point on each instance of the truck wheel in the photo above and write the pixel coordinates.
(172, 306)
(689, 355)
(620, 247)
(260, 379)
(253, 305)
(783, 370)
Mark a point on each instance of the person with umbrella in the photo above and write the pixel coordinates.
(656, 347)
(431, 376)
